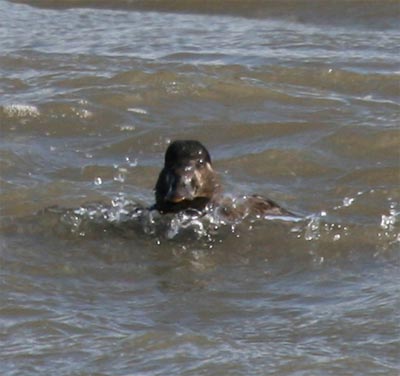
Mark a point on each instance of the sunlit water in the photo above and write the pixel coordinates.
(296, 101)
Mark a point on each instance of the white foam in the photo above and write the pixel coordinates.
(21, 110)
(137, 110)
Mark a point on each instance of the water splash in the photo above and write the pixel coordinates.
(121, 175)
(82, 113)
(389, 224)
(312, 230)
(388, 221)
(98, 181)
(317, 233)
(21, 110)
(329, 230)
(131, 163)
(185, 221)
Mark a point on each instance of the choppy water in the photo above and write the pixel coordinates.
(297, 101)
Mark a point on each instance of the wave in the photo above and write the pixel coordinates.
(323, 234)
(367, 14)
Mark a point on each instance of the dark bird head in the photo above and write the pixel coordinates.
(187, 180)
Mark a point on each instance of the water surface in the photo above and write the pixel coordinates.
(296, 101)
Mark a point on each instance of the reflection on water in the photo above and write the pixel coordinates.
(296, 102)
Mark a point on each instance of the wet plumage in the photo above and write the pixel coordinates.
(189, 182)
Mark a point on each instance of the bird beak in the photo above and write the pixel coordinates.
(182, 185)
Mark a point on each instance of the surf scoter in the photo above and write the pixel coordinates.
(188, 182)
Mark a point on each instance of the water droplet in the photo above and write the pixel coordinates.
(98, 181)
(387, 222)
(312, 230)
(347, 201)
(120, 178)
(131, 163)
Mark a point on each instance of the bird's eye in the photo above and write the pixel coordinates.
(200, 163)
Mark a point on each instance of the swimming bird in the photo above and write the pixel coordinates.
(188, 182)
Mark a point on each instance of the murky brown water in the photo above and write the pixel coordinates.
(295, 101)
